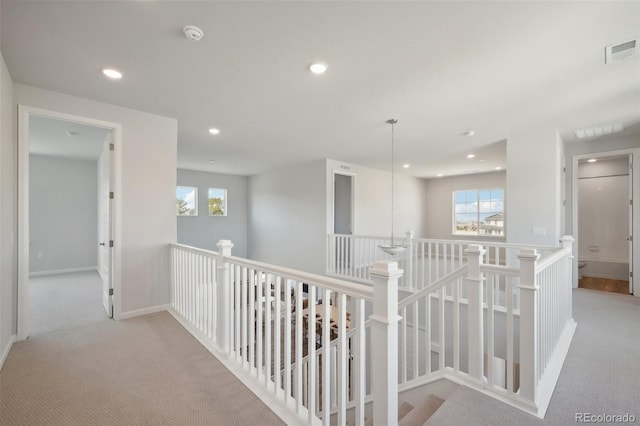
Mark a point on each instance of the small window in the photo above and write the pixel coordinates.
(187, 201)
(479, 212)
(217, 202)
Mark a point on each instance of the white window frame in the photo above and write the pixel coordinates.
(195, 200)
(225, 204)
(454, 231)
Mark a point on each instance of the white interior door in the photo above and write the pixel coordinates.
(631, 201)
(105, 225)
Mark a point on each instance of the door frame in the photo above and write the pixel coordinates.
(24, 113)
(634, 179)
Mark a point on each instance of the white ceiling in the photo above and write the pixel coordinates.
(441, 68)
(59, 138)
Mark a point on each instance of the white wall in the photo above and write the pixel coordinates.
(8, 211)
(373, 201)
(63, 213)
(287, 217)
(438, 197)
(148, 173)
(205, 231)
(533, 188)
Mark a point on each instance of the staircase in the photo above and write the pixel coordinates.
(408, 415)
(356, 351)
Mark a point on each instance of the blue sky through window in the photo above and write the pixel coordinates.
(188, 195)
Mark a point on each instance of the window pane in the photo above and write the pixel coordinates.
(217, 202)
(187, 201)
(479, 212)
(485, 195)
(471, 196)
(460, 196)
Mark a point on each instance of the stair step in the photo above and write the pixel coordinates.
(419, 415)
(404, 409)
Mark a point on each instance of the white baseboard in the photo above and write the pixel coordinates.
(63, 271)
(5, 353)
(143, 311)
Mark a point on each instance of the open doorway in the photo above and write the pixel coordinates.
(67, 267)
(605, 223)
(343, 218)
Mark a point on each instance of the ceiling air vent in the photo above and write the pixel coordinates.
(622, 51)
(594, 132)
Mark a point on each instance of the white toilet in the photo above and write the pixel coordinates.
(581, 265)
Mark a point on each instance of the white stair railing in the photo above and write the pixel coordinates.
(512, 344)
(253, 313)
(424, 261)
(518, 329)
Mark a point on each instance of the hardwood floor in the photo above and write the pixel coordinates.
(604, 284)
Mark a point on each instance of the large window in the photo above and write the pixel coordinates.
(217, 202)
(479, 212)
(187, 201)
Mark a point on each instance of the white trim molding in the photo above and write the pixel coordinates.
(63, 271)
(143, 311)
(6, 351)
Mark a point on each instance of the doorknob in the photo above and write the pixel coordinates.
(101, 244)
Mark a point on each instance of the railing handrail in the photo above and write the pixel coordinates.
(436, 285)
(500, 269)
(194, 249)
(544, 262)
(444, 241)
(355, 289)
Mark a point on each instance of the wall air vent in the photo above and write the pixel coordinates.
(622, 51)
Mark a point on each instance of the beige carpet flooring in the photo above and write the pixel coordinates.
(142, 371)
(62, 301)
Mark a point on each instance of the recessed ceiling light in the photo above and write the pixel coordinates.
(498, 168)
(111, 73)
(214, 131)
(406, 166)
(439, 174)
(470, 156)
(592, 160)
(318, 67)
(469, 133)
(211, 161)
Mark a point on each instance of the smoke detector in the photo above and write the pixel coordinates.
(622, 51)
(193, 33)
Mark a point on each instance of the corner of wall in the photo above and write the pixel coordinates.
(8, 215)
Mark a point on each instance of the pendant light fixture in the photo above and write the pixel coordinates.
(392, 249)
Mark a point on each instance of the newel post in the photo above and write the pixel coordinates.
(223, 318)
(384, 341)
(528, 324)
(408, 277)
(475, 311)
